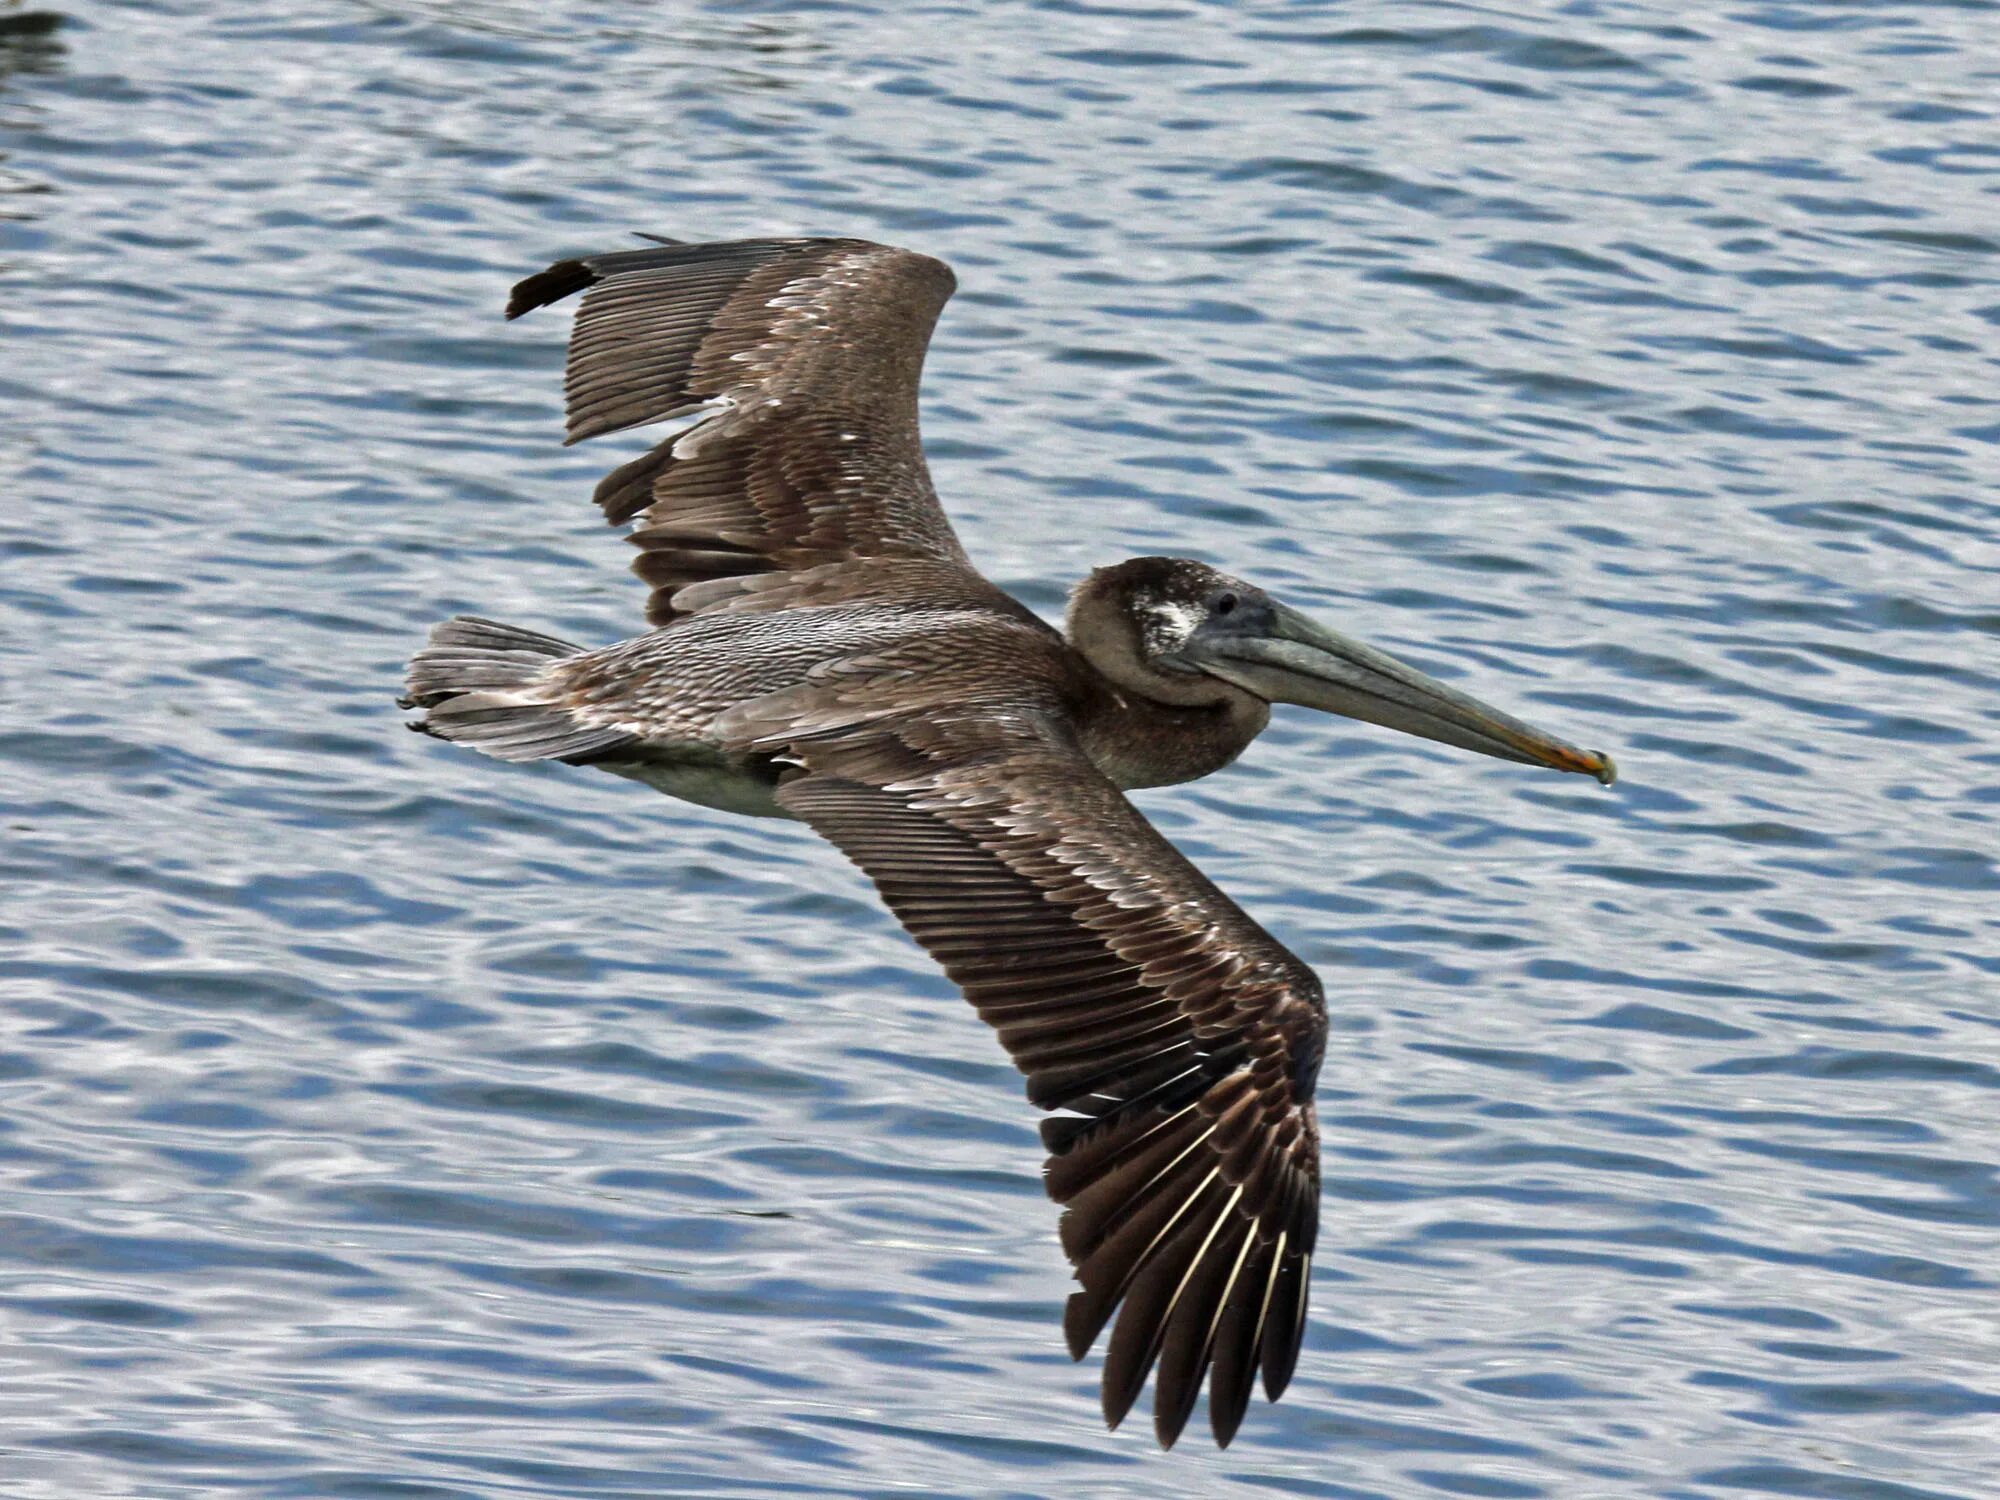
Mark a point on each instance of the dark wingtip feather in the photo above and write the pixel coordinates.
(1232, 1376)
(1287, 1331)
(1081, 1325)
(552, 285)
(1193, 1321)
(1144, 1317)
(1225, 1415)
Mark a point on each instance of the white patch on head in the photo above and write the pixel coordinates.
(1169, 622)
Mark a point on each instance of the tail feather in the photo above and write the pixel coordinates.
(467, 653)
(487, 685)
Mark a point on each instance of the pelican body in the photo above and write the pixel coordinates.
(822, 649)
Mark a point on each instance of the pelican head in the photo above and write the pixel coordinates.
(1178, 631)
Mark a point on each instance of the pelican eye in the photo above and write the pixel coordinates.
(1223, 603)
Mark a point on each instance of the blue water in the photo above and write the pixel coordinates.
(378, 1121)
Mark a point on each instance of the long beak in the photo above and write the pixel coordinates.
(1298, 660)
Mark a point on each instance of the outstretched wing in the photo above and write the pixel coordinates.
(1178, 1040)
(812, 350)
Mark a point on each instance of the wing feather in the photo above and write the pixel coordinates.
(1177, 1041)
(810, 351)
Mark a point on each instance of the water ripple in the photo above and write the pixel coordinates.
(381, 1122)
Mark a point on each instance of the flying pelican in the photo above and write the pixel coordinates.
(824, 650)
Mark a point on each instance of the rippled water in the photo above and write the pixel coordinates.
(380, 1121)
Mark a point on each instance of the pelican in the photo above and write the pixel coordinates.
(822, 649)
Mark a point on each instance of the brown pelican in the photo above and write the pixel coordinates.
(823, 649)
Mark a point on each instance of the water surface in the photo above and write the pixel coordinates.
(379, 1121)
